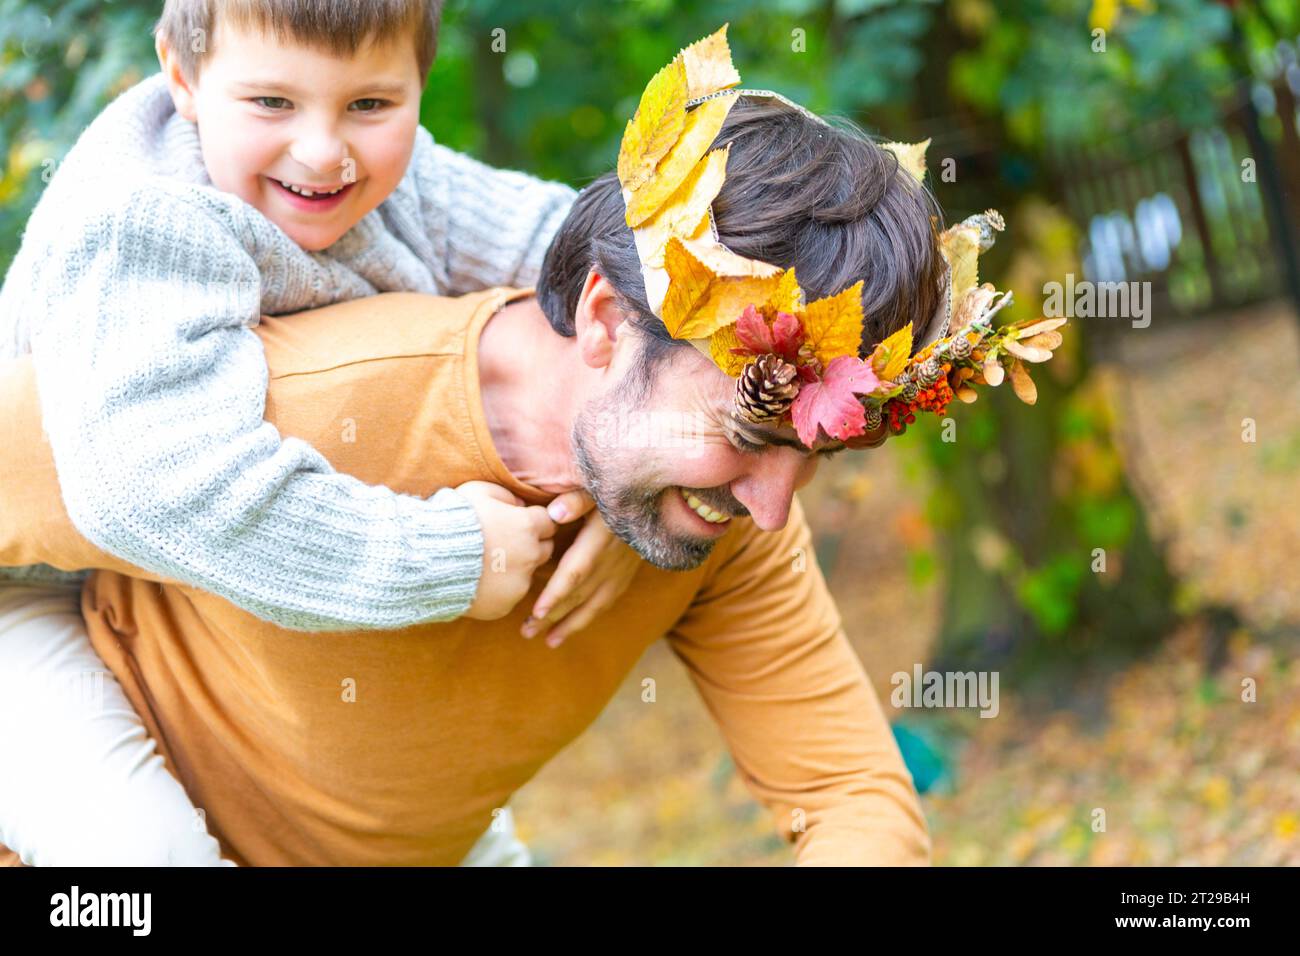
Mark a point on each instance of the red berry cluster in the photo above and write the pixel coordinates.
(935, 399)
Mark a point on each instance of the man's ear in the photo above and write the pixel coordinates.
(598, 321)
(181, 89)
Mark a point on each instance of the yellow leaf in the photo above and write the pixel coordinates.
(788, 296)
(698, 134)
(720, 345)
(1022, 384)
(658, 123)
(686, 213)
(699, 303)
(891, 356)
(708, 65)
(833, 325)
(911, 156)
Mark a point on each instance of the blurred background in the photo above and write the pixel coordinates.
(1123, 556)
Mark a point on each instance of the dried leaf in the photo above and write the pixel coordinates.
(972, 305)
(960, 246)
(831, 403)
(1044, 340)
(891, 356)
(659, 120)
(911, 156)
(1027, 352)
(833, 325)
(700, 130)
(1035, 326)
(708, 65)
(723, 262)
(992, 368)
(1022, 384)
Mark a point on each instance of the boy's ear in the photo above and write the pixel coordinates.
(181, 90)
(597, 321)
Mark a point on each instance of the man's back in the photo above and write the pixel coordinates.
(395, 747)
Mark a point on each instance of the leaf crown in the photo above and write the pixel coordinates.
(796, 360)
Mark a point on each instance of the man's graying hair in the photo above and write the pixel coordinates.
(825, 200)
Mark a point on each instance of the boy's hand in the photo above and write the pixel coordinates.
(594, 572)
(517, 539)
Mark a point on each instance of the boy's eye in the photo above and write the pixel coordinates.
(744, 444)
(832, 453)
(272, 102)
(369, 105)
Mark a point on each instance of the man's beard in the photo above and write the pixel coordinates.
(632, 507)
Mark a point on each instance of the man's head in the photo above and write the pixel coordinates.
(827, 202)
(302, 93)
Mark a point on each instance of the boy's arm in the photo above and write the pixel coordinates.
(488, 227)
(153, 388)
(763, 643)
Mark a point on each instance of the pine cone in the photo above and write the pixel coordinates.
(874, 417)
(766, 389)
(961, 347)
(929, 373)
(910, 391)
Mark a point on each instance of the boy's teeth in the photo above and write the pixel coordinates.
(703, 510)
(306, 192)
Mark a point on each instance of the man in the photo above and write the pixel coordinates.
(401, 747)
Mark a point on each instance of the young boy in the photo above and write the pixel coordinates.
(276, 164)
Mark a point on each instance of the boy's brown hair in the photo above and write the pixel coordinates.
(340, 27)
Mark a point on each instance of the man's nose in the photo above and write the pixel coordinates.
(767, 488)
(318, 147)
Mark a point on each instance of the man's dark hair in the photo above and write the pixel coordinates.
(827, 201)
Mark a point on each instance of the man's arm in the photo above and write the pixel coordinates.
(153, 386)
(487, 227)
(764, 645)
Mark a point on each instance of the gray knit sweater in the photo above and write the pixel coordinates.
(135, 290)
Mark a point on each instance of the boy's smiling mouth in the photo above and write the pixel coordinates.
(311, 198)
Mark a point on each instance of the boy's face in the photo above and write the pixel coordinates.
(272, 115)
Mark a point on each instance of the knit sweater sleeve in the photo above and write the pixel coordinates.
(153, 386)
(488, 227)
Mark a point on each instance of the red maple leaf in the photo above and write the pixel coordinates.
(783, 337)
(830, 403)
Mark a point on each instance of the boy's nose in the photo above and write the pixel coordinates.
(767, 489)
(321, 151)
